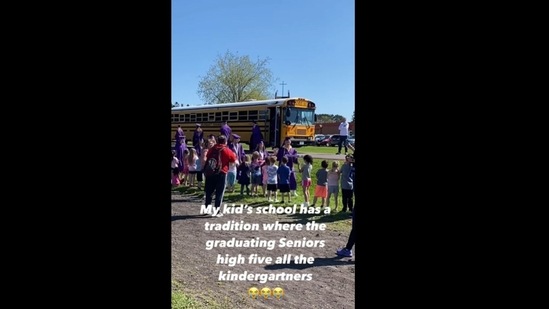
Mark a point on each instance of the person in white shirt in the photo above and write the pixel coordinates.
(343, 133)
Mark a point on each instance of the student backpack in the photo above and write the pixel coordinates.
(213, 164)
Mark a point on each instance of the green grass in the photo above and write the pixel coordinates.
(180, 300)
(335, 220)
(203, 300)
(317, 149)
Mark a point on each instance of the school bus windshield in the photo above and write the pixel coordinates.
(299, 116)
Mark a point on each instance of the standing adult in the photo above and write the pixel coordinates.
(237, 148)
(347, 251)
(343, 133)
(289, 152)
(256, 136)
(215, 183)
(198, 136)
(226, 130)
(180, 147)
(178, 134)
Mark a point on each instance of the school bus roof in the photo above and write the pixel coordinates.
(272, 102)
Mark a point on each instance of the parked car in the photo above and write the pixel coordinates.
(351, 140)
(324, 142)
(319, 137)
(334, 140)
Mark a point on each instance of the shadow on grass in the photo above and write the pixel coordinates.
(333, 261)
(204, 216)
(304, 218)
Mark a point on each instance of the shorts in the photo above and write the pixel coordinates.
(306, 182)
(231, 177)
(257, 180)
(321, 191)
(333, 189)
(271, 187)
(284, 187)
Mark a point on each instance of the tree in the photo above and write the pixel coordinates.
(323, 118)
(236, 78)
(353, 116)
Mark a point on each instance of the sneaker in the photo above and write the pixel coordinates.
(219, 215)
(345, 252)
(295, 193)
(338, 153)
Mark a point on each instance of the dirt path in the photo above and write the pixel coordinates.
(332, 283)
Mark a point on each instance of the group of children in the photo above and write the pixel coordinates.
(188, 172)
(272, 179)
(263, 172)
(328, 182)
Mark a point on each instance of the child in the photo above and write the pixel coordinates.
(271, 181)
(263, 154)
(175, 169)
(333, 184)
(283, 173)
(256, 173)
(264, 168)
(185, 173)
(347, 183)
(191, 166)
(231, 176)
(306, 170)
(321, 189)
(199, 163)
(244, 175)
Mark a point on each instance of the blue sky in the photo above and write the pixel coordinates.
(310, 44)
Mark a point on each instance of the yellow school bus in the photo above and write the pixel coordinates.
(278, 118)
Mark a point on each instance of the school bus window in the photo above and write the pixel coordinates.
(187, 117)
(233, 116)
(201, 117)
(193, 117)
(218, 116)
(225, 113)
(243, 115)
(225, 116)
(211, 117)
(252, 115)
(263, 115)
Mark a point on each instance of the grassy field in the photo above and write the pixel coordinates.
(316, 149)
(182, 300)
